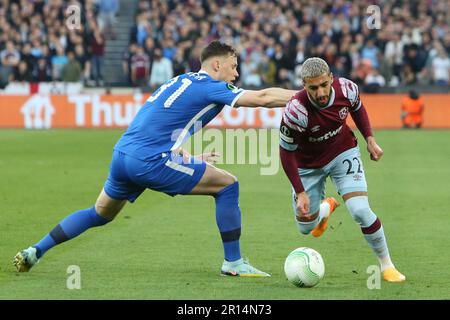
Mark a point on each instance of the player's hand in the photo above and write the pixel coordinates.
(374, 149)
(302, 204)
(210, 157)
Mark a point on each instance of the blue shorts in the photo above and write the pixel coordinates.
(129, 177)
(346, 172)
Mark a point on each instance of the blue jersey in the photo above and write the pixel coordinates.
(174, 112)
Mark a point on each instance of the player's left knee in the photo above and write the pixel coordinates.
(360, 210)
(307, 224)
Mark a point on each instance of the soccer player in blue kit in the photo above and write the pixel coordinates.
(149, 156)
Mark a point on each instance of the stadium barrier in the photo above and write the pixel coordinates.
(117, 111)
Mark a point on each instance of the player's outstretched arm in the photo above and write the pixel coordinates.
(268, 98)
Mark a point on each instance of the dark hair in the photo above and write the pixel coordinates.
(413, 94)
(217, 48)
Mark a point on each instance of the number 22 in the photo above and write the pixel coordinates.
(349, 170)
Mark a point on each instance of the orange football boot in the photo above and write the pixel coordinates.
(323, 224)
(393, 275)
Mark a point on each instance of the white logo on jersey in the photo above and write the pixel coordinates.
(326, 136)
(38, 112)
(315, 128)
(343, 113)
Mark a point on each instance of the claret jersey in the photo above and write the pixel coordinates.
(318, 135)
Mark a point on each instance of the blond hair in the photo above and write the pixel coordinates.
(313, 67)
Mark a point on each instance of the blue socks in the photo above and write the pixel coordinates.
(228, 218)
(69, 228)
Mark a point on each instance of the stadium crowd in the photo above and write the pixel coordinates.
(273, 38)
(37, 46)
(410, 47)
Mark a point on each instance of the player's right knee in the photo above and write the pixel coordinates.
(360, 210)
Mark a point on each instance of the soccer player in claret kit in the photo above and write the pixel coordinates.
(149, 156)
(316, 143)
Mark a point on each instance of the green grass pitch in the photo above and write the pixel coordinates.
(169, 248)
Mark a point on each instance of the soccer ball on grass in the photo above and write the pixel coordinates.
(304, 267)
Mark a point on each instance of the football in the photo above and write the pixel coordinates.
(304, 267)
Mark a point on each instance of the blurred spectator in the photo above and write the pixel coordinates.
(162, 70)
(98, 52)
(140, 68)
(194, 60)
(9, 59)
(374, 81)
(268, 71)
(441, 68)
(250, 76)
(412, 110)
(169, 49)
(23, 73)
(149, 47)
(393, 52)
(58, 62)
(42, 72)
(384, 68)
(179, 63)
(414, 58)
(339, 68)
(282, 64)
(84, 61)
(126, 60)
(72, 70)
(143, 30)
(369, 51)
(408, 77)
(362, 70)
(108, 10)
(26, 55)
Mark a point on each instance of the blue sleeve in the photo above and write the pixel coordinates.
(223, 93)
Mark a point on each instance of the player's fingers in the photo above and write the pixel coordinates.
(373, 154)
(212, 156)
(303, 208)
(306, 206)
(302, 212)
(211, 160)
